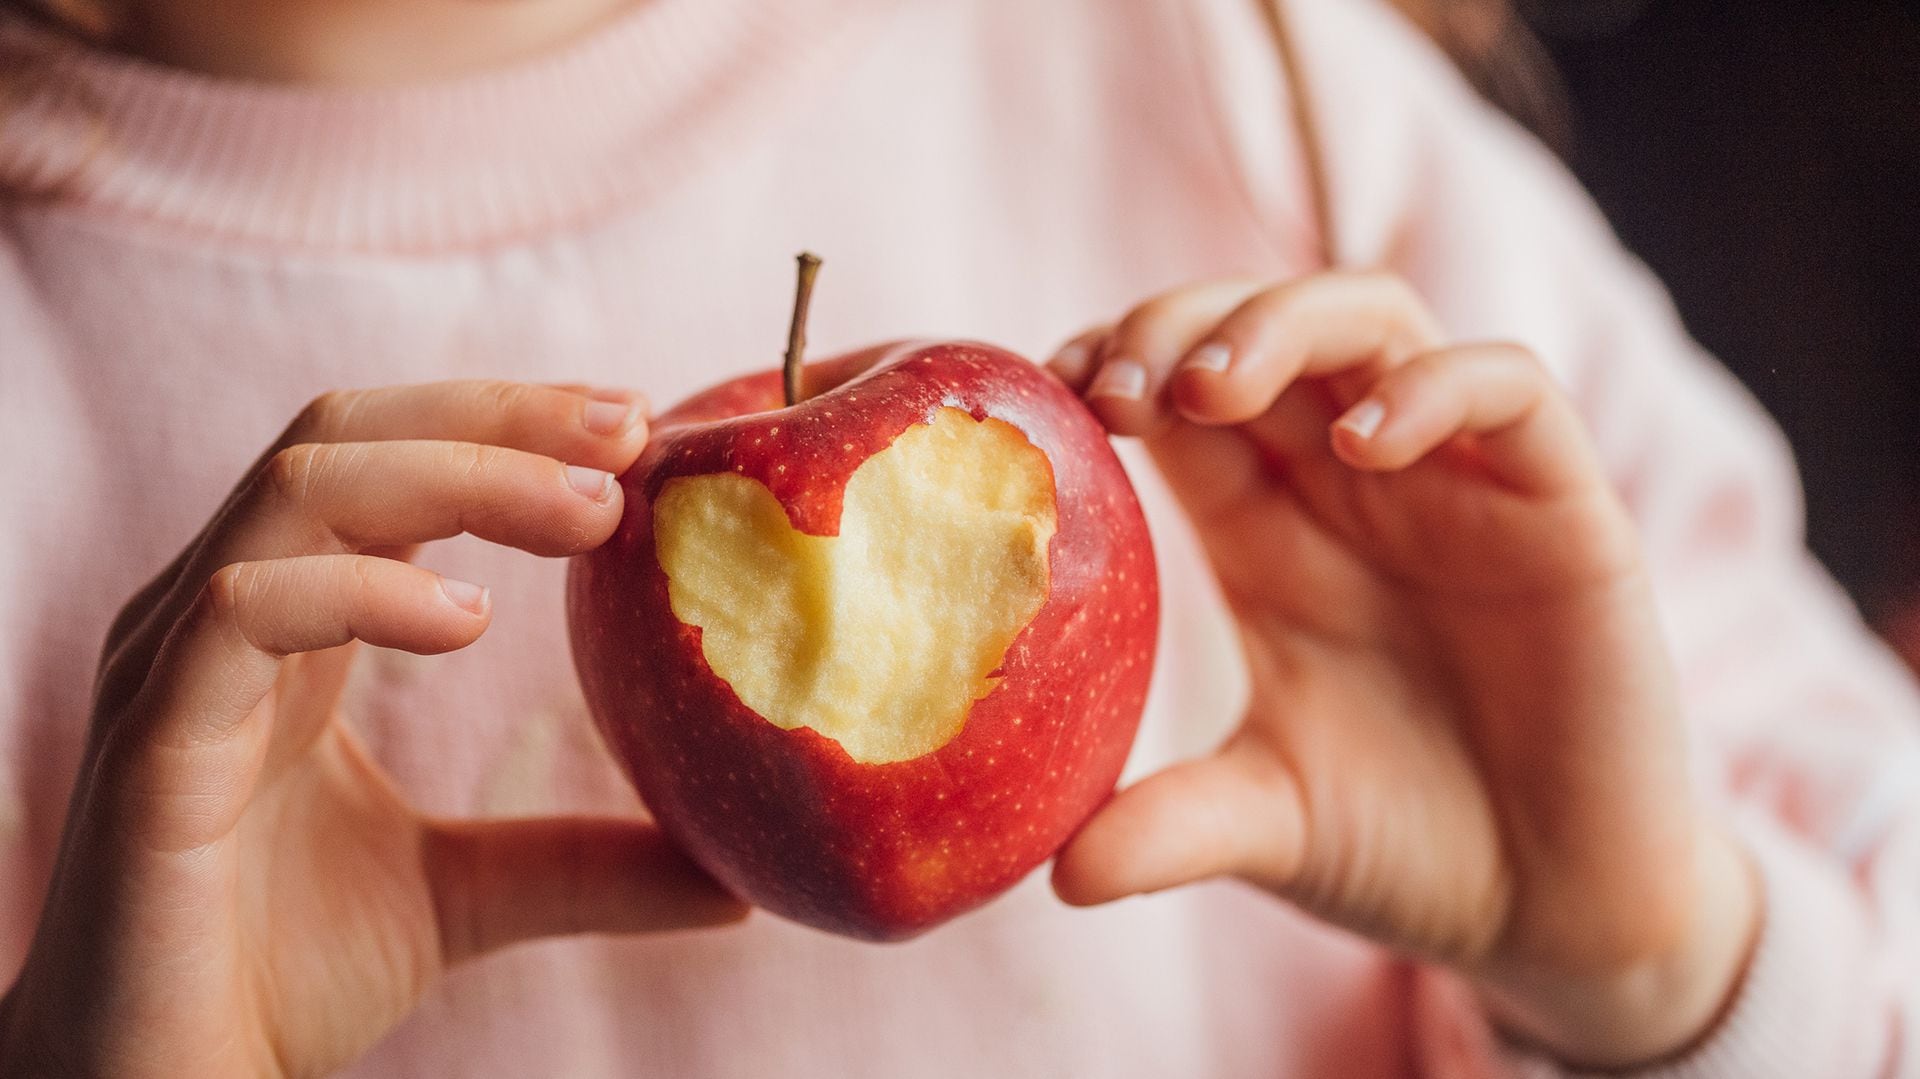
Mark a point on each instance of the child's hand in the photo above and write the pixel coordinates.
(240, 891)
(1463, 739)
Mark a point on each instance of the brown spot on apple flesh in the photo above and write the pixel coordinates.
(883, 636)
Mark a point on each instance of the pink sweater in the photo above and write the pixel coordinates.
(624, 211)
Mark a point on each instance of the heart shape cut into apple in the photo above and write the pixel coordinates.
(881, 637)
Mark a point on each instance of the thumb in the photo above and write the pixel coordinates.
(1237, 812)
(498, 882)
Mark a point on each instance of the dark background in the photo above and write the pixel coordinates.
(1765, 161)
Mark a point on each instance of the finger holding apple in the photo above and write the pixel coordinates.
(1464, 739)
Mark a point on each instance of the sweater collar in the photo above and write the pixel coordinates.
(506, 155)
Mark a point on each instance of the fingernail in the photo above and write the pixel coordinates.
(610, 417)
(1122, 378)
(1212, 356)
(1364, 418)
(590, 482)
(470, 597)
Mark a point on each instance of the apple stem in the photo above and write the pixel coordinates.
(797, 328)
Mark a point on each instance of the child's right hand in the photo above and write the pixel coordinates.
(240, 890)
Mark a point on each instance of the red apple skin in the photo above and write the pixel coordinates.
(785, 818)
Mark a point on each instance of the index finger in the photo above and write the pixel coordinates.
(601, 429)
(1321, 325)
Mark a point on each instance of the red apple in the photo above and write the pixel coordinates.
(872, 657)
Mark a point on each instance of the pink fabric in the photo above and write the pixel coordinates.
(623, 212)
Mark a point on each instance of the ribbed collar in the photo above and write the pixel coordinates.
(469, 162)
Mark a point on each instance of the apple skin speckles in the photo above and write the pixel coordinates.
(785, 818)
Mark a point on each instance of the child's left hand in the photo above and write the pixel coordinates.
(1464, 738)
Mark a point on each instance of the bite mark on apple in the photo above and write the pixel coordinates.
(882, 637)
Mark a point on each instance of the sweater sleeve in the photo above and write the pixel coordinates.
(1804, 727)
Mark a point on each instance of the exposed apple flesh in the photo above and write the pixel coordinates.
(883, 636)
(873, 657)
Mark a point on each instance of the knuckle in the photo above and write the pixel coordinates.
(363, 574)
(1151, 313)
(1411, 325)
(290, 472)
(1425, 369)
(226, 590)
(503, 397)
(323, 415)
(232, 597)
(1265, 310)
(1283, 293)
(477, 462)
